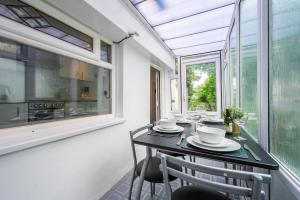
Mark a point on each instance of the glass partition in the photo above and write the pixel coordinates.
(248, 63)
(37, 85)
(232, 66)
(175, 95)
(284, 85)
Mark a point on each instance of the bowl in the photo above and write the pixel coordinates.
(211, 135)
(179, 117)
(167, 123)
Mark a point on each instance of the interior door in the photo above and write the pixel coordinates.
(154, 95)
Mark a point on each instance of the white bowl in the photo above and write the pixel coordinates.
(167, 123)
(211, 135)
(179, 117)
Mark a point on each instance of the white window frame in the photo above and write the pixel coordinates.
(189, 61)
(24, 137)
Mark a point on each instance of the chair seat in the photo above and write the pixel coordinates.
(197, 193)
(153, 174)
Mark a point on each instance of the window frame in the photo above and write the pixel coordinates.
(26, 35)
(216, 58)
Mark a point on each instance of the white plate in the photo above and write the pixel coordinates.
(178, 129)
(226, 142)
(175, 128)
(185, 121)
(233, 147)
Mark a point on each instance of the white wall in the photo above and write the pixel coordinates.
(86, 166)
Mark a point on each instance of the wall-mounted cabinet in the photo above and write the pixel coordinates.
(76, 70)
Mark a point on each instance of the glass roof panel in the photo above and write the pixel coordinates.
(200, 38)
(189, 26)
(199, 49)
(155, 14)
(197, 23)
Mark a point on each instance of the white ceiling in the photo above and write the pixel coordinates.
(188, 26)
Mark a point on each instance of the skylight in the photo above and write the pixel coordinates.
(188, 27)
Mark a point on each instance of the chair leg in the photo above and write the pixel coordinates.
(151, 189)
(185, 169)
(131, 184)
(193, 159)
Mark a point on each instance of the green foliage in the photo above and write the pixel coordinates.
(235, 113)
(205, 94)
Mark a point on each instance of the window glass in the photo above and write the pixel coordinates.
(20, 12)
(36, 85)
(248, 63)
(284, 85)
(201, 86)
(105, 52)
(232, 65)
(174, 94)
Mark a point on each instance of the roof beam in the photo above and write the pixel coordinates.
(139, 2)
(201, 44)
(213, 29)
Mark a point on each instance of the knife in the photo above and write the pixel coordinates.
(256, 157)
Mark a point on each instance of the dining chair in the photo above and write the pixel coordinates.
(208, 189)
(153, 173)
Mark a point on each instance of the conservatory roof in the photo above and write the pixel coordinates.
(189, 27)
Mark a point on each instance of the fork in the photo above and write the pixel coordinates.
(182, 137)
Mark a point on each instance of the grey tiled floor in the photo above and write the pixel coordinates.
(121, 189)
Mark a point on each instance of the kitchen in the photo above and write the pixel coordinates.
(37, 85)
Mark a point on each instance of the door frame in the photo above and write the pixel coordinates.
(200, 60)
(162, 90)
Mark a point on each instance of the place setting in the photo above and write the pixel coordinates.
(167, 128)
(213, 140)
(211, 118)
(182, 120)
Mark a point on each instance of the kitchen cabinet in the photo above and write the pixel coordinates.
(86, 72)
(69, 68)
(76, 70)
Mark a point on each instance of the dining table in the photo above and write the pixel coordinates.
(255, 157)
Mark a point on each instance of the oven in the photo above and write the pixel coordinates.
(45, 110)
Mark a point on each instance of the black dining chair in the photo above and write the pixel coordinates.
(204, 189)
(153, 173)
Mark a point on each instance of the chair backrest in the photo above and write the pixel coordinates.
(255, 192)
(133, 134)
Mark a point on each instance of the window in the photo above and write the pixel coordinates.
(201, 86)
(284, 82)
(226, 78)
(20, 12)
(177, 65)
(248, 63)
(175, 95)
(36, 85)
(105, 52)
(232, 66)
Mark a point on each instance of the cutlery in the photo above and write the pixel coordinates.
(182, 137)
(256, 157)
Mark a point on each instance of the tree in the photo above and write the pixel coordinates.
(205, 94)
